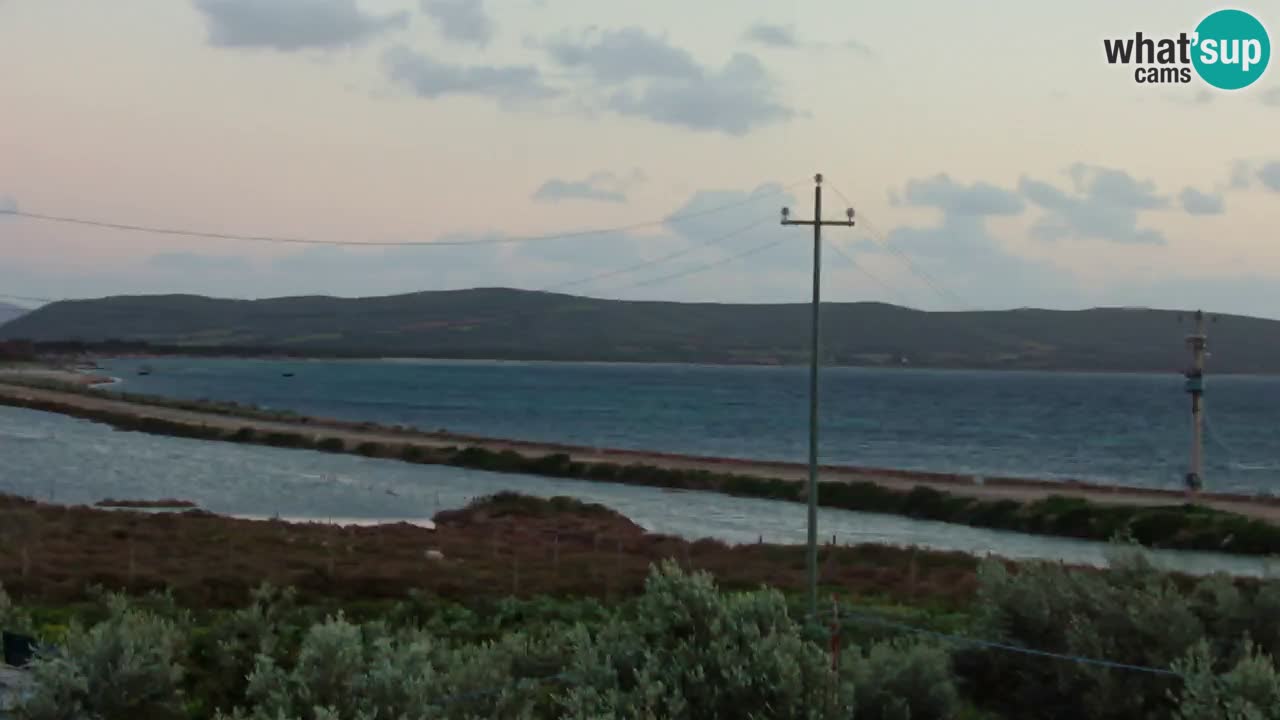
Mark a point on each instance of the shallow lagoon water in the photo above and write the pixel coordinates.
(53, 457)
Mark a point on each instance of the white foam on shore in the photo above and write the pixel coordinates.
(339, 521)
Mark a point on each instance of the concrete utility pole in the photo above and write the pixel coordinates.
(817, 222)
(1195, 387)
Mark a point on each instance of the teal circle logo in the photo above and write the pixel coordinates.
(1231, 49)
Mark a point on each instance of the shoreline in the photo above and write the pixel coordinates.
(283, 356)
(356, 431)
(360, 430)
(1160, 518)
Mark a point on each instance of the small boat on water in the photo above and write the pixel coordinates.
(288, 374)
(144, 370)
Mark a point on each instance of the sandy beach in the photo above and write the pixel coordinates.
(1017, 489)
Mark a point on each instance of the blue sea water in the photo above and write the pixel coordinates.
(1126, 429)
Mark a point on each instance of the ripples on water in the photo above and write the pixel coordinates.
(1109, 428)
(52, 457)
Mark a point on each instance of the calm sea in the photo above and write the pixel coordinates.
(1108, 428)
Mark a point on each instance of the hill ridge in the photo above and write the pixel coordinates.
(514, 324)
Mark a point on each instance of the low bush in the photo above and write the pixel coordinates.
(901, 679)
(331, 444)
(1133, 614)
(127, 666)
(286, 439)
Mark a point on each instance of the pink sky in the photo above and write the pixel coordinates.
(346, 120)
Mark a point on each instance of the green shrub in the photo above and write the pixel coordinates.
(1152, 527)
(370, 449)
(1250, 690)
(222, 656)
(12, 618)
(345, 670)
(693, 652)
(331, 444)
(555, 465)
(126, 666)
(285, 439)
(1133, 614)
(899, 680)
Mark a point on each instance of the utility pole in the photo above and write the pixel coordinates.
(815, 329)
(1195, 387)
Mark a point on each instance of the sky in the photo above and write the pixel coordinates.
(994, 159)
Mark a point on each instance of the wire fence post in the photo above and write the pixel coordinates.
(913, 569)
(555, 556)
(515, 574)
(834, 695)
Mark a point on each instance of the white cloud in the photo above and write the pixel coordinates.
(289, 25)
(464, 21)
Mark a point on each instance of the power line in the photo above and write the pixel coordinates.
(835, 246)
(619, 271)
(658, 260)
(990, 645)
(653, 281)
(423, 243)
(933, 284)
(708, 266)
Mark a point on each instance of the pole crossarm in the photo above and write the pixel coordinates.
(817, 223)
(842, 223)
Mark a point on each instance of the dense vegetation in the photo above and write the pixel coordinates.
(682, 648)
(513, 324)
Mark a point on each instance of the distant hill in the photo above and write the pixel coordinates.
(513, 324)
(11, 312)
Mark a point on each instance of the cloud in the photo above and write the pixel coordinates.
(957, 259)
(700, 217)
(463, 21)
(290, 25)
(643, 75)
(616, 56)
(1241, 175)
(1271, 97)
(1105, 206)
(603, 186)
(427, 77)
(783, 36)
(733, 219)
(953, 198)
(1195, 202)
(1269, 174)
(858, 47)
(734, 100)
